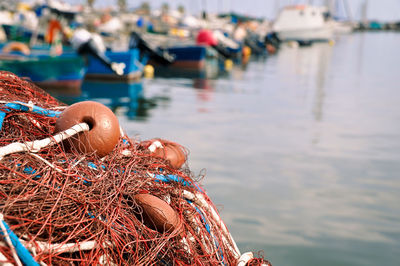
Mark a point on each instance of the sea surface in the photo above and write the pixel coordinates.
(300, 150)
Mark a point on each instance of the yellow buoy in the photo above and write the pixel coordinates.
(174, 31)
(331, 42)
(181, 33)
(148, 71)
(228, 64)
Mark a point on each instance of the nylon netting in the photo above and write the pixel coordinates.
(70, 208)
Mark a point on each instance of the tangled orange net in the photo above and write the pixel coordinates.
(63, 207)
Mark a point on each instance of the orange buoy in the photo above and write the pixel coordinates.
(156, 214)
(246, 51)
(16, 46)
(104, 130)
(170, 151)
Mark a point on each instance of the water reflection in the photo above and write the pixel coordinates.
(123, 98)
(301, 151)
(205, 89)
(126, 98)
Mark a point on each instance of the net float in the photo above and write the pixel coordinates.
(104, 130)
(156, 214)
(170, 151)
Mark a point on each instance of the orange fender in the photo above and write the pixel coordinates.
(16, 46)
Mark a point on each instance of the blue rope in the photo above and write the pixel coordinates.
(176, 178)
(22, 252)
(20, 106)
(208, 228)
(2, 116)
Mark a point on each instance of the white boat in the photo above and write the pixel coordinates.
(302, 23)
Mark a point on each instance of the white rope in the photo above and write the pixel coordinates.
(126, 152)
(246, 257)
(58, 107)
(35, 146)
(30, 105)
(60, 248)
(156, 144)
(35, 122)
(203, 238)
(8, 240)
(78, 162)
(121, 131)
(65, 248)
(47, 162)
(199, 200)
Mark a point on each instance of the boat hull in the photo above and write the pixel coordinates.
(306, 35)
(46, 71)
(302, 23)
(96, 70)
(190, 62)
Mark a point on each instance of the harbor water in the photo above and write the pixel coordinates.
(300, 151)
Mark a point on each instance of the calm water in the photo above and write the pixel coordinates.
(301, 150)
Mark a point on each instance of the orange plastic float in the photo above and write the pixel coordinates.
(170, 151)
(157, 214)
(104, 130)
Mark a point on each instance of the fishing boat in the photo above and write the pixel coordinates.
(174, 59)
(47, 71)
(97, 70)
(194, 61)
(302, 23)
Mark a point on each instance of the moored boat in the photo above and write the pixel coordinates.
(97, 70)
(174, 59)
(189, 61)
(49, 72)
(302, 23)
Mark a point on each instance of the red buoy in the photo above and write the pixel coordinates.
(205, 37)
(156, 214)
(104, 130)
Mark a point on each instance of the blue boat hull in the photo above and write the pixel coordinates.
(191, 62)
(99, 71)
(46, 71)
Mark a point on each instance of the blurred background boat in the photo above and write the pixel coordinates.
(302, 23)
(97, 70)
(46, 70)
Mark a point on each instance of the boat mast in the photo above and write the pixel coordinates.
(348, 10)
(364, 11)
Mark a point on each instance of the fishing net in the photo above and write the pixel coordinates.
(64, 207)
